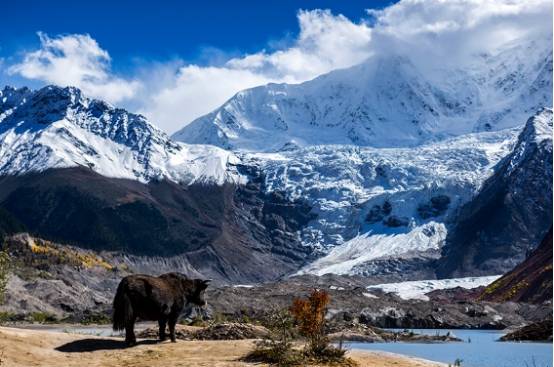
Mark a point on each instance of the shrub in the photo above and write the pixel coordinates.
(6, 316)
(276, 348)
(98, 318)
(308, 314)
(42, 317)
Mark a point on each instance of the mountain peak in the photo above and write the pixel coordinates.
(386, 101)
(540, 125)
(57, 127)
(11, 97)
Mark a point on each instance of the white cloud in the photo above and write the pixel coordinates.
(75, 60)
(454, 30)
(195, 91)
(325, 42)
(431, 32)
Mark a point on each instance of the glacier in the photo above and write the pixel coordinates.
(344, 183)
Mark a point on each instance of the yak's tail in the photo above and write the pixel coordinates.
(122, 308)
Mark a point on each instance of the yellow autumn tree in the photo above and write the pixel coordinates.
(309, 315)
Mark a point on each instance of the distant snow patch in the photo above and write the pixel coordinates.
(369, 295)
(417, 289)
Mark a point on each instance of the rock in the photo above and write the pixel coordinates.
(231, 331)
(224, 331)
(353, 336)
(362, 333)
(408, 336)
(182, 332)
(537, 331)
(394, 221)
(378, 212)
(436, 206)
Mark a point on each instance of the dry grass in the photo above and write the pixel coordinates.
(50, 349)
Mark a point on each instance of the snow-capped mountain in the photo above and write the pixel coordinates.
(370, 170)
(59, 127)
(387, 101)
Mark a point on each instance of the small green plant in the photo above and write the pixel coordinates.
(5, 268)
(6, 316)
(42, 317)
(198, 320)
(219, 318)
(98, 318)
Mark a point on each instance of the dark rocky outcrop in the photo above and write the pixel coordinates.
(436, 206)
(378, 212)
(395, 221)
(530, 281)
(357, 332)
(537, 331)
(511, 213)
(227, 232)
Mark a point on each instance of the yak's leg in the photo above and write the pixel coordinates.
(162, 323)
(172, 321)
(130, 339)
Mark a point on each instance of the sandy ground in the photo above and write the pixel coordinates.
(19, 347)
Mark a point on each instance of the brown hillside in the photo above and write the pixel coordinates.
(530, 281)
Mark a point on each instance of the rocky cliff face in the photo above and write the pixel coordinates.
(512, 212)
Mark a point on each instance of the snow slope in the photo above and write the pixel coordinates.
(418, 288)
(387, 101)
(58, 127)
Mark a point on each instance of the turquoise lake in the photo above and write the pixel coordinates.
(483, 351)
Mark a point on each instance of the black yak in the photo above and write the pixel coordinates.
(159, 299)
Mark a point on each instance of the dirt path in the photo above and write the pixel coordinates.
(20, 348)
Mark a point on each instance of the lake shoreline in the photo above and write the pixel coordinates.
(479, 348)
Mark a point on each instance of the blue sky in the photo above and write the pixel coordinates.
(174, 61)
(149, 30)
